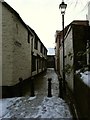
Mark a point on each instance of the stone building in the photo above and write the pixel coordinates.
(77, 59)
(75, 43)
(77, 39)
(22, 54)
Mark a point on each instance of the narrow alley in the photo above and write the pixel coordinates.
(41, 83)
(45, 59)
(39, 106)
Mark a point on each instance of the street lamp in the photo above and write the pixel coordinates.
(63, 6)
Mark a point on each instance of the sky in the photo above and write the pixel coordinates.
(44, 16)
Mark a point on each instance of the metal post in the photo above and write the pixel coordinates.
(49, 87)
(64, 86)
(32, 87)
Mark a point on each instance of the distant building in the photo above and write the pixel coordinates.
(50, 61)
(51, 51)
(51, 58)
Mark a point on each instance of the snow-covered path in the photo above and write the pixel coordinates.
(25, 107)
(40, 106)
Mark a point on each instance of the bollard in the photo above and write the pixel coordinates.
(60, 87)
(49, 87)
(32, 87)
(20, 87)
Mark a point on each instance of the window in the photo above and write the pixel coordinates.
(17, 43)
(40, 63)
(31, 43)
(28, 37)
(44, 51)
(33, 63)
(36, 44)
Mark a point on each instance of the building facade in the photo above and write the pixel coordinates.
(22, 54)
(75, 43)
(39, 55)
(50, 61)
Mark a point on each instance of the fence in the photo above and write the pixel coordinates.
(82, 97)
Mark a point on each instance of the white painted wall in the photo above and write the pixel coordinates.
(0, 44)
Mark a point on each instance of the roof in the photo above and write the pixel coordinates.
(60, 33)
(75, 22)
(35, 34)
(80, 22)
(15, 13)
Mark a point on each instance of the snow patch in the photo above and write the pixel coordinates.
(50, 107)
(32, 98)
(53, 108)
(5, 104)
(85, 76)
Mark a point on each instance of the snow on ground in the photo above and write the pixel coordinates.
(24, 107)
(52, 108)
(5, 103)
(38, 106)
(85, 76)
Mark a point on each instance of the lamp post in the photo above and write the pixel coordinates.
(63, 6)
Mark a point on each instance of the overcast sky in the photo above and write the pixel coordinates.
(45, 18)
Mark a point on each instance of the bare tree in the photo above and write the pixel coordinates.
(75, 3)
